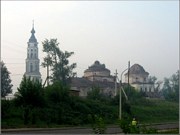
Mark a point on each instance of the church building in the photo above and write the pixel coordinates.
(138, 78)
(32, 60)
(96, 75)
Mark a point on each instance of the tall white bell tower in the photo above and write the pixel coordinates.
(32, 60)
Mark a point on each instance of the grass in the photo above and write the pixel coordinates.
(146, 111)
(172, 131)
(156, 111)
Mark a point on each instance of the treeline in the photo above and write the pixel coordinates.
(53, 105)
(35, 106)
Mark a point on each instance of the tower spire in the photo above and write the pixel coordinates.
(32, 38)
(33, 24)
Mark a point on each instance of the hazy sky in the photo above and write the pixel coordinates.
(113, 32)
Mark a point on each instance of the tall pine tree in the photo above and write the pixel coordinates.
(6, 86)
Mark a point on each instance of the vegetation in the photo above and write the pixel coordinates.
(171, 88)
(155, 111)
(58, 61)
(6, 86)
(127, 128)
(52, 106)
(29, 98)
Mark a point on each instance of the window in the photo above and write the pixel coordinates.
(35, 55)
(104, 80)
(31, 55)
(141, 89)
(31, 67)
(145, 89)
(36, 67)
(150, 89)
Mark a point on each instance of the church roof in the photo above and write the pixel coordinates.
(85, 83)
(137, 69)
(97, 66)
(33, 38)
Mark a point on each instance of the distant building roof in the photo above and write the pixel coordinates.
(97, 67)
(137, 69)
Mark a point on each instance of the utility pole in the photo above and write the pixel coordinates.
(120, 89)
(128, 71)
(47, 75)
(116, 82)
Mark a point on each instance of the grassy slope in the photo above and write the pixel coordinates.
(156, 111)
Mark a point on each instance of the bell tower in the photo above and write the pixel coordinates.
(32, 60)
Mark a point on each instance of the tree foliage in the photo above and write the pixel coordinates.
(58, 61)
(6, 86)
(171, 87)
(56, 93)
(30, 98)
(152, 79)
(30, 93)
(94, 93)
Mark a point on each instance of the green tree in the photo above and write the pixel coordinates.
(94, 93)
(56, 93)
(29, 97)
(58, 61)
(6, 86)
(171, 87)
(152, 79)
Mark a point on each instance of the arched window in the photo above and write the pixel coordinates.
(36, 67)
(31, 67)
(35, 56)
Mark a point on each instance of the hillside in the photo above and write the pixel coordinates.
(156, 111)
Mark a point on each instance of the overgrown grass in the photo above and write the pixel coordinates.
(146, 111)
(172, 131)
(156, 111)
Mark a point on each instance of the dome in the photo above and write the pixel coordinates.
(97, 66)
(33, 38)
(96, 63)
(137, 69)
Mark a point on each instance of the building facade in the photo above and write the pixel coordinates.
(138, 78)
(97, 75)
(32, 60)
(98, 72)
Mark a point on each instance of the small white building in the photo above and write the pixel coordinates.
(10, 96)
(138, 78)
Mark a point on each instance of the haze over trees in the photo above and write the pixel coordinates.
(6, 86)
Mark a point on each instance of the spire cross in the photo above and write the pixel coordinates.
(33, 23)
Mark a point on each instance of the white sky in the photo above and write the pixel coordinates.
(113, 32)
